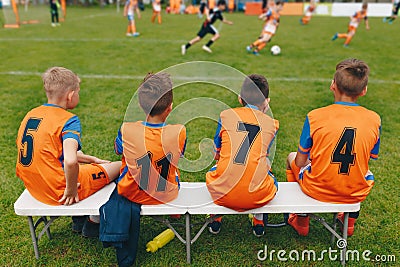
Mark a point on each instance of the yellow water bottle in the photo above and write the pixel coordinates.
(160, 241)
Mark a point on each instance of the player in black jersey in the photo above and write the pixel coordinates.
(207, 27)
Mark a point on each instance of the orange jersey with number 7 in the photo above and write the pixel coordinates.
(242, 179)
(339, 139)
(149, 173)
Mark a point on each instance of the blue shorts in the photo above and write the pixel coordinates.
(131, 17)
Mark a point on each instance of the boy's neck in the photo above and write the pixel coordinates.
(155, 119)
(345, 98)
(57, 103)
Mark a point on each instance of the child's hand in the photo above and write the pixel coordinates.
(70, 196)
(100, 161)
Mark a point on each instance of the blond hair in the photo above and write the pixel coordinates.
(57, 81)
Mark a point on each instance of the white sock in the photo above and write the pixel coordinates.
(94, 218)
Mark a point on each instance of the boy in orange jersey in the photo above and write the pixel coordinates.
(309, 11)
(149, 174)
(50, 160)
(242, 178)
(353, 25)
(129, 12)
(271, 18)
(156, 11)
(337, 141)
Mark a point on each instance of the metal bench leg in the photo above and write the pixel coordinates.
(32, 229)
(188, 237)
(334, 225)
(345, 228)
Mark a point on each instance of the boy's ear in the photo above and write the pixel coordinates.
(364, 91)
(333, 86)
(240, 100)
(70, 95)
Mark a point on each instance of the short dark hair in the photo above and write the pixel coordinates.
(155, 93)
(351, 76)
(255, 89)
(221, 2)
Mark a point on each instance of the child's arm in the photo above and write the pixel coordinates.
(301, 160)
(83, 158)
(366, 23)
(125, 10)
(227, 22)
(71, 170)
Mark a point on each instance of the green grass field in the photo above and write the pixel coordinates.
(92, 43)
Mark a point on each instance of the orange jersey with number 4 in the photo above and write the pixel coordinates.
(149, 172)
(242, 179)
(340, 139)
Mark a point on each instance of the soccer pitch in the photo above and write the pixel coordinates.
(92, 43)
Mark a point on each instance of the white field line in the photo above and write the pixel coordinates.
(64, 40)
(191, 78)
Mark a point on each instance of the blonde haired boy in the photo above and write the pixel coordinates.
(50, 160)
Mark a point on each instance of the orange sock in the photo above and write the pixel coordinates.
(342, 35)
(261, 46)
(129, 29)
(256, 43)
(348, 40)
(290, 177)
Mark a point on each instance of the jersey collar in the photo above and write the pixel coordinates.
(347, 103)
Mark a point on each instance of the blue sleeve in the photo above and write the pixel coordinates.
(217, 137)
(375, 150)
(72, 129)
(118, 148)
(306, 141)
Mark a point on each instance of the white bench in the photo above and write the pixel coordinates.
(193, 199)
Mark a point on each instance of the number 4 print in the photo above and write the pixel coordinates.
(343, 153)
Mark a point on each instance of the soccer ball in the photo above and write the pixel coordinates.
(275, 50)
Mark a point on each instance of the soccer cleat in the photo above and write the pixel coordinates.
(345, 45)
(335, 37)
(183, 49)
(53, 25)
(207, 49)
(77, 223)
(248, 48)
(214, 227)
(129, 34)
(90, 229)
(390, 21)
(136, 34)
(300, 223)
(352, 221)
(257, 226)
(256, 53)
(384, 20)
(301, 22)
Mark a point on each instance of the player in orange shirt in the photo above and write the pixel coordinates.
(50, 160)
(129, 12)
(156, 11)
(337, 141)
(309, 11)
(242, 178)
(271, 18)
(353, 25)
(149, 174)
